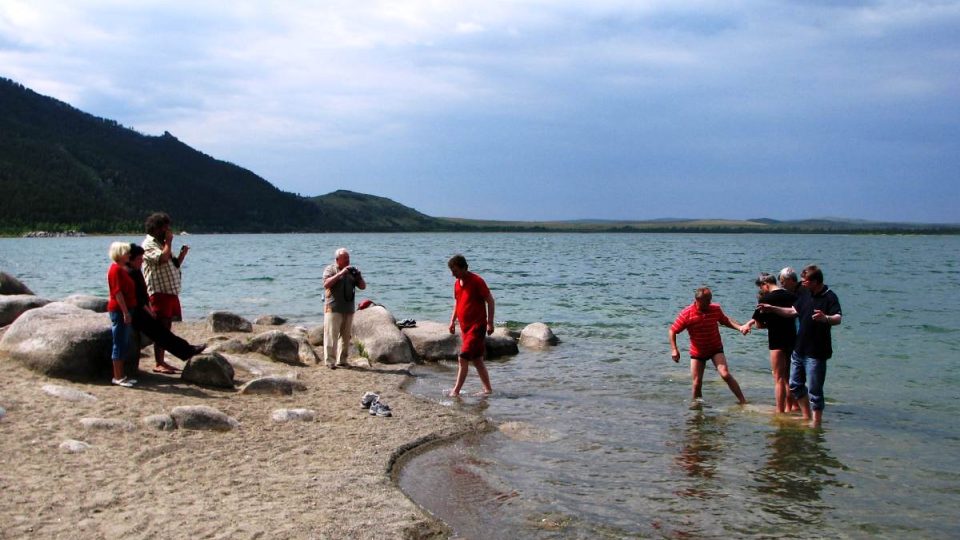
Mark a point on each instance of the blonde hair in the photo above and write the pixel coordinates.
(119, 249)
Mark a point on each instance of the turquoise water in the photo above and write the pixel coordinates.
(618, 453)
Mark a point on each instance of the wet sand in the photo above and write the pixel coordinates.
(329, 478)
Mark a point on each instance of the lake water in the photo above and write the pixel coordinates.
(607, 445)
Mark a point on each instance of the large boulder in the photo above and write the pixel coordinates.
(376, 330)
(12, 285)
(60, 340)
(538, 336)
(224, 321)
(209, 369)
(277, 346)
(86, 301)
(315, 335)
(14, 305)
(432, 341)
(501, 343)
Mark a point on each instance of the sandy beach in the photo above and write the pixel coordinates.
(329, 478)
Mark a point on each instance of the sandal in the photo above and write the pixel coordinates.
(166, 370)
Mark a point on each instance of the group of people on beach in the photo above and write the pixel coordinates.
(144, 286)
(797, 315)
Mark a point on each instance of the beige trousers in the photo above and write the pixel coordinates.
(336, 337)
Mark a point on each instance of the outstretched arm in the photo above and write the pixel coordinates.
(491, 307)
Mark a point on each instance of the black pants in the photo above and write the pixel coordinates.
(161, 336)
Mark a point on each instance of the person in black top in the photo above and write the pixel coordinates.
(145, 322)
(816, 312)
(781, 334)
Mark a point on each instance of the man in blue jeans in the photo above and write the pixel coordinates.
(816, 313)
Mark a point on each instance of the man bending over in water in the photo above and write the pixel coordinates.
(702, 319)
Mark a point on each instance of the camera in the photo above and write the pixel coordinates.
(353, 271)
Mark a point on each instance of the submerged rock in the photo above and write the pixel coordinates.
(538, 335)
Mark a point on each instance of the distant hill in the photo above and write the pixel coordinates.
(351, 211)
(63, 169)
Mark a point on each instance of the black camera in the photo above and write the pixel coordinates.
(353, 271)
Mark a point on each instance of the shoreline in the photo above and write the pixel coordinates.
(333, 477)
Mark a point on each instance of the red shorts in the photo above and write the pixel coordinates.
(166, 306)
(474, 342)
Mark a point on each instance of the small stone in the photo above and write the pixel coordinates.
(160, 422)
(74, 446)
(107, 424)
(69, 394)
(286, 415)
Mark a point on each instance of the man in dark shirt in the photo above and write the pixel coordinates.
(816, 312)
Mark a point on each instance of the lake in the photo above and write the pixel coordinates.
(605, 445)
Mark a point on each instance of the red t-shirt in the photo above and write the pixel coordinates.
(703, 328)
(471, 301)
(120, 281)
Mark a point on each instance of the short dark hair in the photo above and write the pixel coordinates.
(458, 261)
(135, 250)
(155, 222)
(812, 273)
(766, 278)
(703, 292)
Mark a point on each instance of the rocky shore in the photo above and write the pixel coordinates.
(282, 449)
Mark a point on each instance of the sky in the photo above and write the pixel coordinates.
(533, 109)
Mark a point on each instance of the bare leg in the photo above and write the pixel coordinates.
(804, 404)
(720, 361)
(817, 417)
(696, 373)
(779, 366)
(118, 369)
(484, 376)
(463, 365)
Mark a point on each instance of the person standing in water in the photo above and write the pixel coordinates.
(473, 308)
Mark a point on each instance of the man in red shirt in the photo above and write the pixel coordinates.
(474, 308)
(702, 319)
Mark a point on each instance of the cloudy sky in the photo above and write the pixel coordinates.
(533, 109)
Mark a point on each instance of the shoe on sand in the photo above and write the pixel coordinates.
(380, 409)
(124, 382)
(369, 399)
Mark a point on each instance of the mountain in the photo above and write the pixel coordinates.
(359, 212)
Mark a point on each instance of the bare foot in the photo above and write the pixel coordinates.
(453, 393)
(483, 393)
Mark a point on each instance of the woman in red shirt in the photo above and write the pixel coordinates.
(123, 299)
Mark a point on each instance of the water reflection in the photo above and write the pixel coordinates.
(797, 469)
(703, 444)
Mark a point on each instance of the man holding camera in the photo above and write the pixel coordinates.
(161, 270)
(339, 282)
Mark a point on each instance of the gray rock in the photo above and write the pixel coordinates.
(229, 346)
(270, 320)
(277, 346)
(286, 415)
(86, 301)
(12, 285)
(60, 340)
(160, 422)
(14, 305)
(281, 386)
(202, 417)
(209, 369)
(107, 424)
(500, 343)
(74, 446)
(538, 336)
(224, 321)
(3, 412)
(432, 341)
(376, 329)
(307, 354)
(69, 394)
(315, 335)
